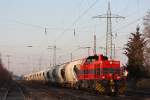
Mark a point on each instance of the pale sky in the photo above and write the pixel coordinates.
(22, 23)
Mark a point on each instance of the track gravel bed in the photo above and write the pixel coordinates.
(47, 92)
(11, 91)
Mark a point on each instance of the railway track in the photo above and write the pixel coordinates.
(13, 92)
(47, 92)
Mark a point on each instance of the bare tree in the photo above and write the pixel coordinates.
(4, 73)
(146, 23)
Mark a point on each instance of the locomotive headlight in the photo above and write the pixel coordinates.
(118, 77)
(103, 77)
(111, 62)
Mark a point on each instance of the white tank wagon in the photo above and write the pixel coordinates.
(39, 76)
(43, 76)
(59, 74)
(71, 72)
(51, 76)
(27, 77)
(47, 75)
(64, 74)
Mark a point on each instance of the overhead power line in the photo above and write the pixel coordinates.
(127, 25)
(27, 24)
(47, 27)
(76, 20)
(125, 8)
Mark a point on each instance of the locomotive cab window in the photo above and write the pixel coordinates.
(91, 59)
(105, 58)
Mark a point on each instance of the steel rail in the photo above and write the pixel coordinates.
(9, 89)
(6, 94)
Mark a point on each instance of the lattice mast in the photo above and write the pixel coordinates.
(94, 45)
(109, 16)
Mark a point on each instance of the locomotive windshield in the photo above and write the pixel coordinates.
(91, 59)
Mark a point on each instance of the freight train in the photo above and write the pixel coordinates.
(96, 73)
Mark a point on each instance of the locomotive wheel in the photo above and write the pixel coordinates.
(77, 86)
(122, 88)
(113, 91)
(112, 88)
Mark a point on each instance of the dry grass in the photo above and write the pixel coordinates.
(143, 84)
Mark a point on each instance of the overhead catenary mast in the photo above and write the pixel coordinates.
(88, 49)
(109, 35)
(54, 54)
(8, 61)
(94, 48)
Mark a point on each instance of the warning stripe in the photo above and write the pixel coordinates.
(99, 88)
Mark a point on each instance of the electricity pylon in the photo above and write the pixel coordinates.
(109, 17)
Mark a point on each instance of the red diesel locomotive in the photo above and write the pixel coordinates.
(101, 74)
